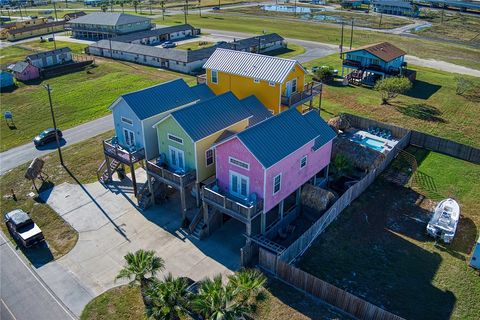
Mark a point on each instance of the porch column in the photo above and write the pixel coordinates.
(280, 209)
(109, 171)
(134, 179)
(315, 179)
(263, 222)
(150, 186)
(298, 197)
(248, 231)
(326, 171)
(197, 194)
(183, 205)
(205, 217)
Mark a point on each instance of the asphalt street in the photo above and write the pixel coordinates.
(23, 295)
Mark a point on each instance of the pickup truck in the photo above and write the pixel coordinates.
(23, 229)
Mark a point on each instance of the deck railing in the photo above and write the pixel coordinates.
(180, 180)
(116, 151)
(309, 92)
(239, 210)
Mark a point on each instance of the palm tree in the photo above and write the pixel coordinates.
(170, 298)
(217, 301)
(140, 264)
(135, 4)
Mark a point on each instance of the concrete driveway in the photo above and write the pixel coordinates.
(110, 226)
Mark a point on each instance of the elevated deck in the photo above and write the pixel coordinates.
(117, 152)
(310, 91)
(170, 177)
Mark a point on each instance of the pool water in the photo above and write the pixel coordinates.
(371, 143)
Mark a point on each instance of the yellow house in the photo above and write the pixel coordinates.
(33, 30)
(278, 83)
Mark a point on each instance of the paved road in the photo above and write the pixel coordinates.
(13, 157)
(23, 295)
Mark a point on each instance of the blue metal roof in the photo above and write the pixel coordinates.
(277, 137)
(207, 117)
(164, 97)
(203, 91)
(256, 109)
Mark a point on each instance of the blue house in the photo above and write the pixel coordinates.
(6, 80)
(134, 115)
(373, 62)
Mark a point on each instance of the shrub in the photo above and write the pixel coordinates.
(324, 73)
(390, 88)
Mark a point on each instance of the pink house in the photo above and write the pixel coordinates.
(258, 168)
(25, 71)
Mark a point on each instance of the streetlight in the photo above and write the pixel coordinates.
(49, 90)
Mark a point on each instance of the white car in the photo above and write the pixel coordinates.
(23, 229)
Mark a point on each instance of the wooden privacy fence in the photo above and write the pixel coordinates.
(300, 245)
(323, 290)
(422, 140)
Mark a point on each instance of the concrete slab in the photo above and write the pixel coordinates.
(110, 225)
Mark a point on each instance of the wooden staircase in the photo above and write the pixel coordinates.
(102, 171)
(197, 225)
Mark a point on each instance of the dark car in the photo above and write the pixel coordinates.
(169, 44)
(216, 8)
(23, 229)
(47, 136)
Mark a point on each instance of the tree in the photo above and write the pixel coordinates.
(324, 73)
(390, 88)
(140, 264)
(135, 4)
(104, 7)
(341, 167)
(169, 298)
(217, 301)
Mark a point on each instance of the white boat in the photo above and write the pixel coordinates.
(443, 223)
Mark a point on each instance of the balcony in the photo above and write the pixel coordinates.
(308, 93)
(124, 155)
(352, 63)
(159, 169)
(201, 79)
(234, 207)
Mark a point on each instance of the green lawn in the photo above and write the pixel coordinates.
(459, 54)
(77, 97)
(378, 248)
(292, 50)
(195, 45)
(431, 106)
(279, 302)
(361, 19)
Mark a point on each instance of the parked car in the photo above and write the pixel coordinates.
(216, 8)
(221, 42)
(47, 136)
(169, 44)
(23, 229)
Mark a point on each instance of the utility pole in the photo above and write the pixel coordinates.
(351, 36)
(380, 22)
(443, 11)
(200, 7)
(54, 42)
(49, 90)
(151, 7)
(55, 10)
(185, 13)
(341, 41)
(295, 9)
(163, 9)
(186, 6)
(218, 4)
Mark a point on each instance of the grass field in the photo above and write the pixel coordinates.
(378, 248)
(77, 97)
(82, 161)
(279, 302)
(195, 45)
(360, 19)
(458, 54)
(431, 106)
(455, 26)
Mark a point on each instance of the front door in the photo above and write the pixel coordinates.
(129, 136)
(239, 185)
(177, 158)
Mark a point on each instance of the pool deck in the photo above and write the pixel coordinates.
(388, 143)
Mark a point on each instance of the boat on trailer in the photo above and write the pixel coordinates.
(443, 223)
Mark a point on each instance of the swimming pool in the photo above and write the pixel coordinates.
(371, 143)
(280, 8)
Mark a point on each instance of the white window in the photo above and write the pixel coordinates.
(209, 157)
(239, 185)
(256, 80)
(129, 136)
(177, 158)
(214, 76)
(271, 84)
(303, 162)
(127, 121)
(176, 139)
(239, 163)
(277, 181)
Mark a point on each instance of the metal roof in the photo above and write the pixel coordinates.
(20, 66)
(108, 19)
(258, 111)
(36, 27)
(207, 117)
(162, 98)
(279, 136)
(40, 55)
(251, 65)
(384, 50)
(152, 33)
